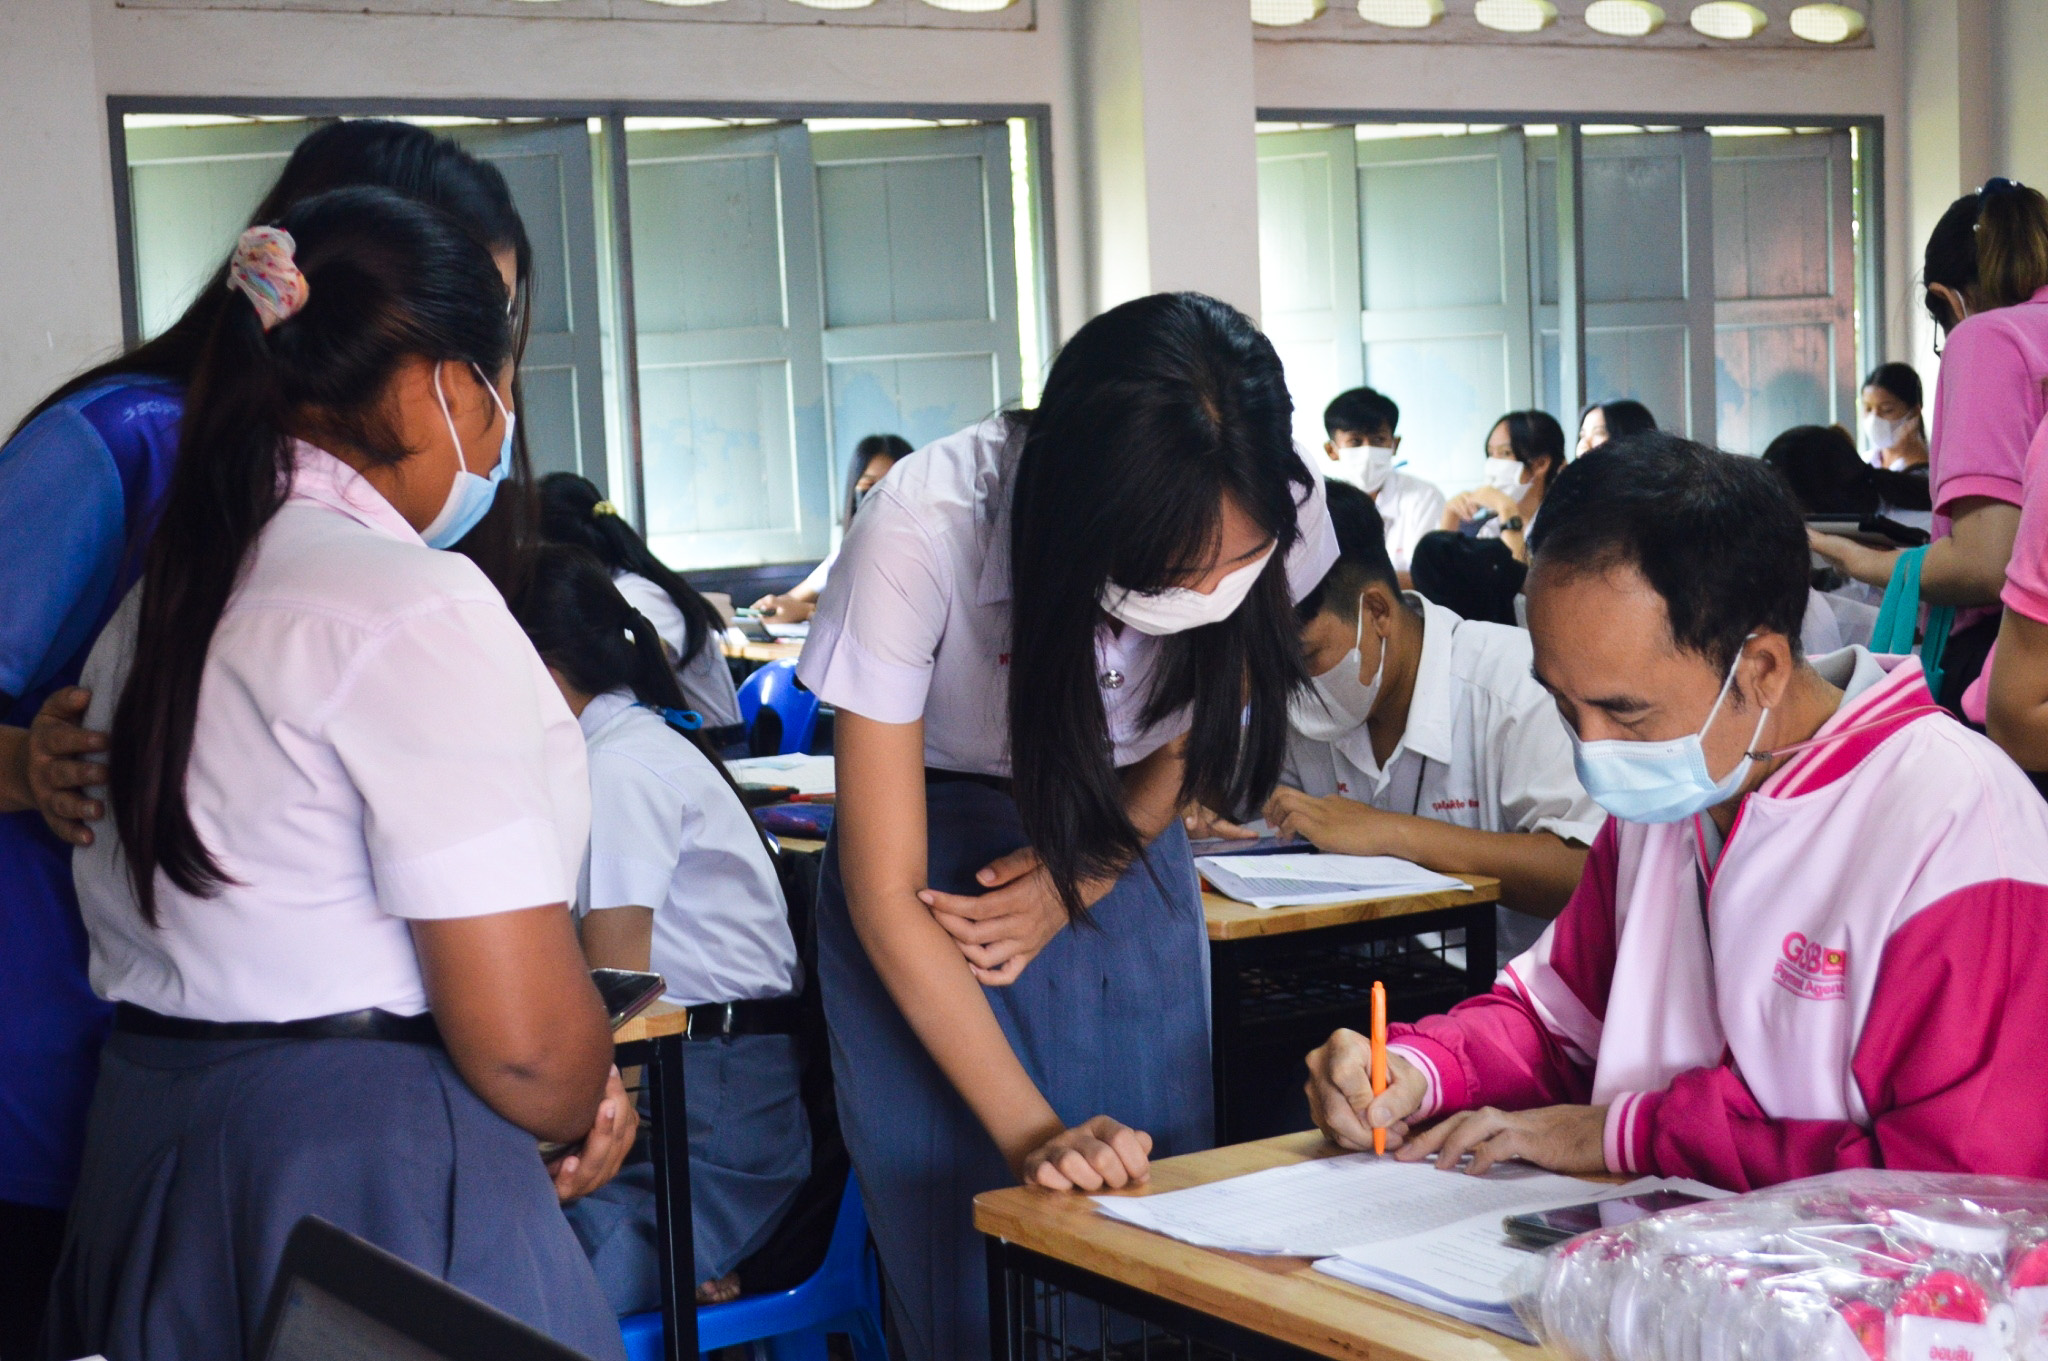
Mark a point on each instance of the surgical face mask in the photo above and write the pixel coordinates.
(1178, 609)
(1661, 781)
(1880, 434)
(1338, 703)
(1365, 466)
(1504, 475)
(469, 496)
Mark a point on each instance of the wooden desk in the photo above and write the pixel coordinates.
(1051, 1256)
(1281, 979)
(781, 649)
(655, 1040)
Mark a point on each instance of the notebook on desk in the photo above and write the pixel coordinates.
(1297, 880)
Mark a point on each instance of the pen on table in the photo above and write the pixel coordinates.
(1379, 1057)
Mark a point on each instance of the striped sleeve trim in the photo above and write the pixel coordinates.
(1625, 1142)
(1439, 1069)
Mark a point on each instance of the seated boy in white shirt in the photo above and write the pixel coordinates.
(1362, 446)
(1425, 736)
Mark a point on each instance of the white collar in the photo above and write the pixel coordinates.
(323, 479)
(602, 709)
(1428, 730)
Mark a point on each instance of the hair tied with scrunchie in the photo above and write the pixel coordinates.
(263, 268)
(605, 508)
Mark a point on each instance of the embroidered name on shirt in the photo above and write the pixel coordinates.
(1452, 805)
(1808, 969)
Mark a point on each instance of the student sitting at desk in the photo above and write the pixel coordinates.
(1424, 736)
(679, 880)
(872, 459)
(1806, 935)
(1362, 446)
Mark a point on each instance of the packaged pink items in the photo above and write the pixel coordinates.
(2028, 1275)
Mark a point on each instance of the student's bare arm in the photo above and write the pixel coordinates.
(2017, 712)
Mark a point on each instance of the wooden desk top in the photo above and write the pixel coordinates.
(1231, 920)
(782, 649)
(1281, 1297)
(663, 1018)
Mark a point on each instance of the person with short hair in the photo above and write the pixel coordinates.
(1813, 912)
(1363, 444)
(1617, 418)
(1424, 736)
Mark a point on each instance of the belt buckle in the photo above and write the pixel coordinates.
(724, 1011)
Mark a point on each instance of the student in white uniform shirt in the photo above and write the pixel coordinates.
(872, 459)
(1363, 445)
(573, 512)
(679, 881)
(1424, 736)
(350, 811)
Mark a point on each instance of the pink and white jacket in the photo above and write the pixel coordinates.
(1861, 980)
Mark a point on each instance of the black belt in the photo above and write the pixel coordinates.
(999, 783)
(368, 1024)
(721, 1020)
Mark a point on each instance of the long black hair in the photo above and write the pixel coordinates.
(389, 279)
(1153, 414)
(582, 627)
(1828, 477)
(892, 447)
(573, 512)
(1900, 380)
(1623, 416)
(413, 162)
(1533, 435)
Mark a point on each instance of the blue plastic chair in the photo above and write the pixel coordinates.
(773, 687)
(844, 1295)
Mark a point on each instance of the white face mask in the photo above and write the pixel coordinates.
(1504, 475)
(1365, 466)
(1880, 434)
(1337, 702)
(1178, 609)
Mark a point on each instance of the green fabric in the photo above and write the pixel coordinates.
(1898, 616)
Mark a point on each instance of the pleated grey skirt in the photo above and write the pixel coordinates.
(1112, 1018)
(201, 1155)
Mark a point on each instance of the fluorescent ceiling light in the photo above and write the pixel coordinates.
(971, 6)
(833, 4)
(1730, 19)
(1283, 13)
(1624, 18)
(682, 4)
(1515, 16)
(1827, 23)
(1401, 13)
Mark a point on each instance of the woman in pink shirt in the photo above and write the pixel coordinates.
(1986, 273)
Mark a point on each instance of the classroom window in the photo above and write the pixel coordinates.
(1719, 284)
(795, 286)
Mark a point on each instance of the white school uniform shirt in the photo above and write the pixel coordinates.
(707, 680)
(915, 622)
(668, 833)
(1410, 507)
(376, 743)
(1484, 746)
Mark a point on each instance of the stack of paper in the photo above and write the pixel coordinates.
(1405, 1229)
(788, 632)
(806, 773)
(1298, 880)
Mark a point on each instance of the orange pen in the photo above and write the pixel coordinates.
(1379, 1056)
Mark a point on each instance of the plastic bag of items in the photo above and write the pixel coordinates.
(1854, 1266)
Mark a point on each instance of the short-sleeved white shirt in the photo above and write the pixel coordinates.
(707, 680)
(915, 620)
(376, 742)
(668, 833)
(1484, 746)
(1410, 507)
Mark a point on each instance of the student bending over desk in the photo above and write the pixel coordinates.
(1424, 736)
(1817, 905)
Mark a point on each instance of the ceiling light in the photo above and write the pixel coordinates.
(1729, 19)
(833, 4)
(1624, 18)
(971, 6)
(1401, 13)
(1827, 23)
(1515, 16)
(1281, 13)
(682, 4)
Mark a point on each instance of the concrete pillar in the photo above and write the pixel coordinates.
(1950, 142)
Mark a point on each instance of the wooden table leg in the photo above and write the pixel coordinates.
(674, 1241)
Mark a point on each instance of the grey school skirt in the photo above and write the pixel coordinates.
(1112, 1018)
(201, 1155)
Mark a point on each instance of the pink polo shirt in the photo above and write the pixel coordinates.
(2026, 574)
(1988, 401)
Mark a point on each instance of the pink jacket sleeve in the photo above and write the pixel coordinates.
(1498, 1050)
(1952, 1084)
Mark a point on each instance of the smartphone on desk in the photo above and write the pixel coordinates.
(626, 992)
(1545, 1227)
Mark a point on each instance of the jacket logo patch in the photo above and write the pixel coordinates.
(1808, 969)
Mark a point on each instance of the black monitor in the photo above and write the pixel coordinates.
(338, 1298)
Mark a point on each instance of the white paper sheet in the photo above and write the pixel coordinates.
(1297, 880)
(809, 774)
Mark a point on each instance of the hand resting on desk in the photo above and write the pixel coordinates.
(1560, 1138)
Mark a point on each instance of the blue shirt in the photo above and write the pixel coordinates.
(79, 488)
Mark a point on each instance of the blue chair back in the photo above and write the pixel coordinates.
(844, 1295)
(773, 687)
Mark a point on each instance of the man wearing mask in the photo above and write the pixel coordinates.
(1363, 445)
(1814, 906)
(1424, 736)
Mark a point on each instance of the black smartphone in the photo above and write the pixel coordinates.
(1545, 1227)
(626, 993)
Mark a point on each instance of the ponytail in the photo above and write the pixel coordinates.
(326, 308)
(651, 679)
(573, 512)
